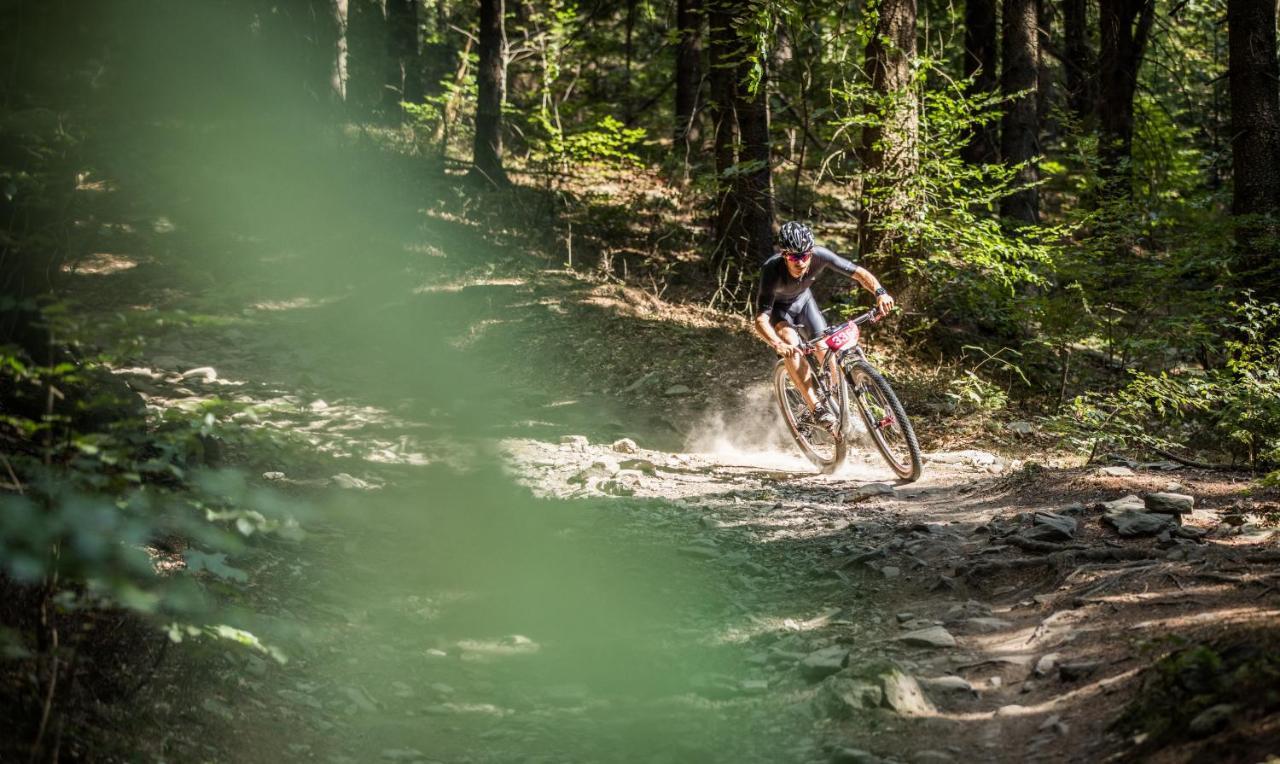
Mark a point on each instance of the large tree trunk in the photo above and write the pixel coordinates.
(1255, 143)
(887, 148)
(688, 74)
(1020, 74)
(338, 80)
(404, 73)
(1124, 26)
(720, 55)
(980, 55)
(367, 33)
(755, 186)
(1077, 59)
(491, 81)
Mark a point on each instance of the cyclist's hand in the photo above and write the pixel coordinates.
(785, 349)
(884, 303)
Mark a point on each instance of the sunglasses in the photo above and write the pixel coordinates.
(797, 257)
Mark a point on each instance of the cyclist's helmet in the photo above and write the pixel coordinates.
(795, 237)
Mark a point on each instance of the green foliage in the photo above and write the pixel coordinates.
(608, 144)
(940, 215)
(971, 393)
(93, 507)
(1234, 409)
(1239, 678)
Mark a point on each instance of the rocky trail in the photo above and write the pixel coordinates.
(506, 567)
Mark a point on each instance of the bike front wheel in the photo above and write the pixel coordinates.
(886, 420)
(821, 447)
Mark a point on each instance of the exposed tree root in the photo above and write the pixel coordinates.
(1055, 559)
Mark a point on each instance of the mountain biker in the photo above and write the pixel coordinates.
(786, 311)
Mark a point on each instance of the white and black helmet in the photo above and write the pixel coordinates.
(795, 237)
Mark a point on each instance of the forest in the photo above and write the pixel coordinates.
(379, 382)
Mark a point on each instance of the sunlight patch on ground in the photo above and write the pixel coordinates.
(645, 304)
(100, 264)
(459, 286)
(1087, 691)
(474, 333)
(1219, 617)
(760, 625)
(297, 303)
(339, 429)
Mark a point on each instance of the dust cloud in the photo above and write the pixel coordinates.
(750, 430)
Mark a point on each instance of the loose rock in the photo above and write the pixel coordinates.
(1047, 664)
(1169, 503)
(867, 491)
(948, 683)
(1050, 526)
(1123, 504)
(625, 446)
(1211, 719)
(934, 636)
(822, 663)
(1115, 472)
(902, 693)
(1071, 672)
(1130, 523)
(841, 697)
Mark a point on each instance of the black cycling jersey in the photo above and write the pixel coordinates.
(787, 299)
(779, 289)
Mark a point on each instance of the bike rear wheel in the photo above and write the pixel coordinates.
(886, 420)
(818, 445)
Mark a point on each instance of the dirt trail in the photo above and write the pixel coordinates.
(577, 560)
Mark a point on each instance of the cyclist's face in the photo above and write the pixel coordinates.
(797, 262)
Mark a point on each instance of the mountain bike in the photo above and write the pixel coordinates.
(843, 373)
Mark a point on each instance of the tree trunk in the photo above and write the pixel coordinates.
(491, 81)
(720, 55)
(1045, 74)
(338, 79)
(1255, 143)
(1077, 59)
(367, 34)
(688, 74)
(887, 148)
(1020, 74)
(1124, 26)
(626, 81)
(980, 54)
(755, 185)
(405, 47)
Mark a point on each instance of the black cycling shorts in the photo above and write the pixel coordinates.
(803, 314)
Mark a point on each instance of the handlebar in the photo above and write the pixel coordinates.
(871, 316)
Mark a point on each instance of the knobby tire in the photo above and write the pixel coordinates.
(863, 380)
(828, 453)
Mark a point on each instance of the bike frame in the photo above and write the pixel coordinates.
(810, 350)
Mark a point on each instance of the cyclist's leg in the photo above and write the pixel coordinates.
(815, 324)
(796, 365)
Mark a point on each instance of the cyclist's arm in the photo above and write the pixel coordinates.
(868, 280)
(764, 329)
